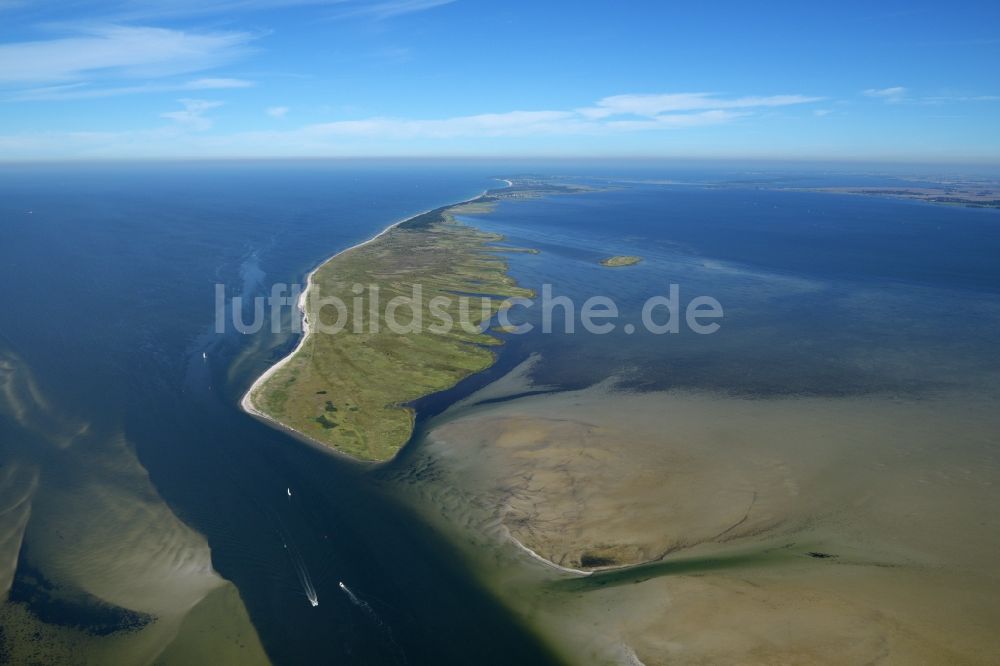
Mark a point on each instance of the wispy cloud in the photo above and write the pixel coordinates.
(513, 123)
(131, 11)
(118, 51)
(192, 115)
(654, 105)
(893, 95)
(899, 94)
(618, 115)
(201, 7)
(390, 8)
(70, 91)
(610, 115)
(947, 99)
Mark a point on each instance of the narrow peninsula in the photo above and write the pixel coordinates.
(350, 390)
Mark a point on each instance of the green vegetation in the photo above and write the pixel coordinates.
(621, 260)
(350, 390)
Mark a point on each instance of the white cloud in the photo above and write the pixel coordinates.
(675, 121)
(946, 99)
(132, 11)
(200, 7)
(115, 50)
(513, 124)
(892, 95)
(69, 91)
(819, 113)
(391, 8)
(216, 84)
(277, 111)
(620, 115)
(191, 116)
(653, 105)
(898, 94)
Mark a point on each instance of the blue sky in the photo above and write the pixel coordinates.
(903, 81)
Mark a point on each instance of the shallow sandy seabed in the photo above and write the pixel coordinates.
(79, 511)
(781, 531)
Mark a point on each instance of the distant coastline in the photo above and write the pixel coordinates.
(968, 195)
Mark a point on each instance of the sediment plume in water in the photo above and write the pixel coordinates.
(86, 532)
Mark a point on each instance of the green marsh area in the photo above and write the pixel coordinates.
(350, 389)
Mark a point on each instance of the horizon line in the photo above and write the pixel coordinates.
(886, 160)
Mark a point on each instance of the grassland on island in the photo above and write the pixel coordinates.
(621, 260)
(350, 390)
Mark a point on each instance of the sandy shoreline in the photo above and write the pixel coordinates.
(549, 563)
(246, 403)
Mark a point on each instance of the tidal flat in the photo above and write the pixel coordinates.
(689, 527)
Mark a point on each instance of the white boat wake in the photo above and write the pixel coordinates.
(305, 580)
(370, 612)
(354, 599)
(301, 572)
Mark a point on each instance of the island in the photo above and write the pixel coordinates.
(351, 390)
(621, 260)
